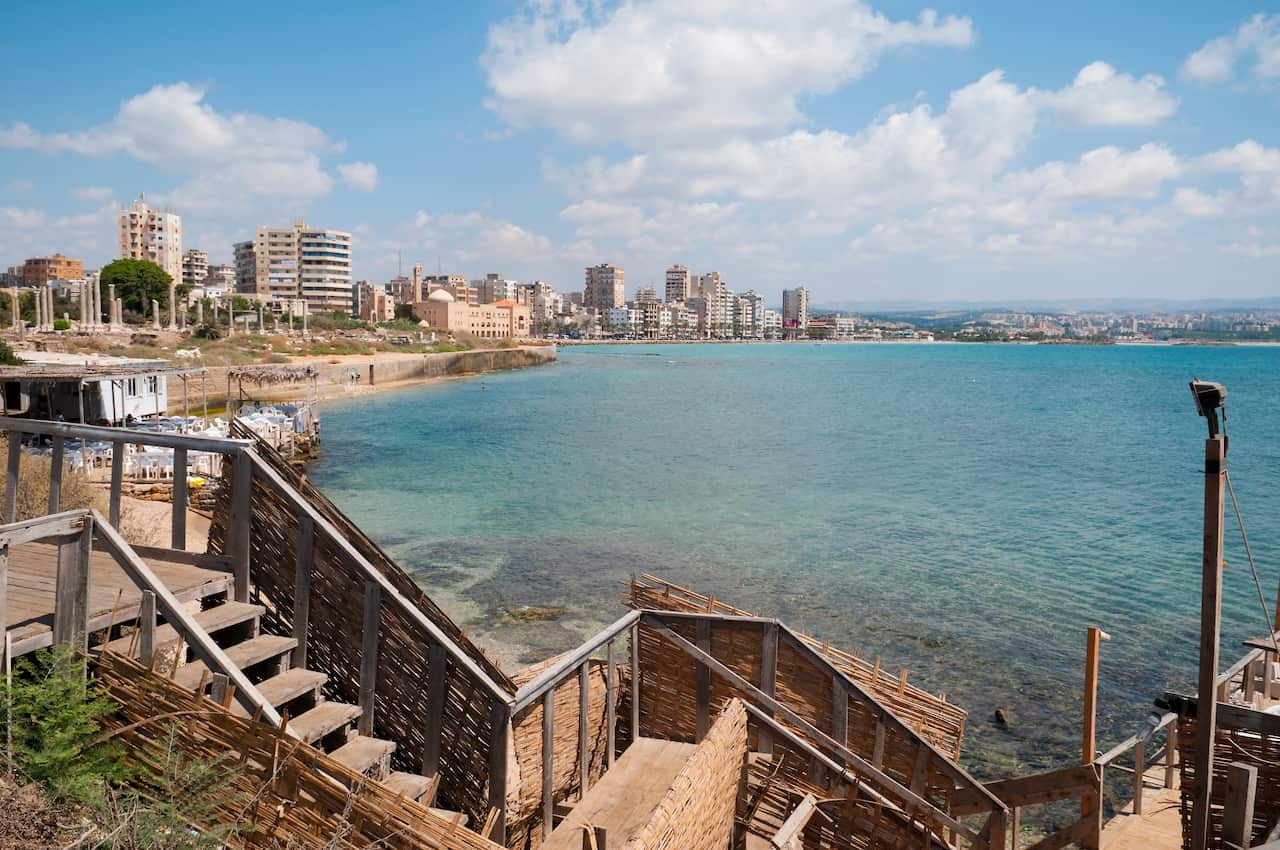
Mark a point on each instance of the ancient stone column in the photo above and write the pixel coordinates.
(119, 320)
(112, 319)
(173, 306)
(17, 313)
(200, 312)
(155, 314)
(49, 295)
(259, 318)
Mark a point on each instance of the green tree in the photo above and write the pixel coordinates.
(241, 304)
(137, 282)
(404, 312)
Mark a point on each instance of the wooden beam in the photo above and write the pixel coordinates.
(222, 445)
(1215, 466)
(877, 746)
(635, 681)
(858, 763)
(584, 728)
(788, 836)
(240, 533)
(304, 559)
(369, 655)
(117, 482)
(179, 522)
(610, 700)
(1139, 771)
(768, 679)
(71, 597)
(570, 661)
(839, 710)
(1237, 810)
(147, 628)
(218, 688)
(499, 740)
(4, 591)
(12, 477)
(55, 475)
(1067, 783)
(702, 702)
(548, 756)
(437, 689)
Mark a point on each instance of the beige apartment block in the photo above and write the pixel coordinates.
(148, 234)
(285, 263)
(605, 287)
(38, 271)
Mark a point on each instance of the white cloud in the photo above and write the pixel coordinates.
(675, 70)
(96, 194)
(1197, 204)
(1101, 97)
(1256, 246)
(27, 232)
(1257, 38)
(361, 176)
(230, 158)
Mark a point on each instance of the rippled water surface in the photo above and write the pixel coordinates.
(961, 511)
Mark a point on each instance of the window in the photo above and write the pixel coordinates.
(153, 384)
(131, 388)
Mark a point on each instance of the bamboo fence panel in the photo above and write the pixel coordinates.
(697, 813)
(1231, 744)
(401, 695)
(941, 722)
(284, 793)
(524, 814)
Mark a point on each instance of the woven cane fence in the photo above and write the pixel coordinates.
(402, 697)
(937, 720)
(1243, 735)
(697, 813)
(524, 813)
(283, 793)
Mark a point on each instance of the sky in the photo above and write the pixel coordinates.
(966, 151)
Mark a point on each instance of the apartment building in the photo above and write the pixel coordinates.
(38, 271)
(496, 288)
(605, 288)
(795, 310)
(195, 267)
(455, 284)
(148, 234)
(286, 263)
(678, 284)
(716, 308)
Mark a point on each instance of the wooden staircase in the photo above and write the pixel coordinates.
(266, 660)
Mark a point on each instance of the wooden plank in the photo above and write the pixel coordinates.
(1237, 812)
(369, 654)
(877, 747)
(240, 532)
(71, 600)
(117, 481)
(860, 764)
(12, 477)
(1139, 774)
(768, 679)
(4, 593)
(178, 525)
(175, 556)
(222, 445)
(1067, 783)
(437, 689)
(703, 698)
(570, 661)
(498, 747)
(839, 710)
(304, 560)
(147, 628)
(218, 688)
(610, 703)
(584, 729)
(55, 475)
(789, 834)
(1077, 833)
(635, 682)
(548, 757)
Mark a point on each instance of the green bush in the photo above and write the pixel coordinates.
(7, 357)
(61, 325)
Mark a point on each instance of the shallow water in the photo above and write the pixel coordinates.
(963, 511)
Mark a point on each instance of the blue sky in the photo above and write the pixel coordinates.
(893, 151)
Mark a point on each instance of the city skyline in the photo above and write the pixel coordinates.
(879, 155)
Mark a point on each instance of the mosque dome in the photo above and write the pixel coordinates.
(440, 295)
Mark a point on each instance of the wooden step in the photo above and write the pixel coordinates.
(326, 717)
(212, 620)
(410, 785)
(285, 687)
(365, 755)
(244, 654)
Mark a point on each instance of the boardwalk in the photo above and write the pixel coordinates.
(33, 570)
(1159, 827)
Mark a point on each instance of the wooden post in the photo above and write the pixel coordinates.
(703, 707)
(218, 690)
(768, 680)
(11, 479)
(437, 688)
(877, 747)
(55, 475)
(117, 483)
(1170, 753)
(548, 755)
(994, 832)
(369, 655)
(4, 590)
(1139, 768)
(179, 523)
(584, 728)
(498, 742)
(635, 682)
(610, 698)
(1215, 467)
(1015, 828)
(1094, 637)
(304, 558)
(240, 534)
(71, 597)
(1237, 811)
(147, 628)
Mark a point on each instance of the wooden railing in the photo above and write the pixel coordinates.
(1140, 745)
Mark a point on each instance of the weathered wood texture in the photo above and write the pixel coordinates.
(292, 794)
(524, 817)
(697, 813)
(941, 722)
(1242, 735)
(401, 698)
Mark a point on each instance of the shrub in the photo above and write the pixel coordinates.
(61, 325)
(207, 332)
(7, 357)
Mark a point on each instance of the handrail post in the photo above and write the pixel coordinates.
(1170, 752)
(369, 654)
(584, 728)
(241, 531)
(71, 598)
(635, 683)
(305, 556)
(548, 756)
(768, 680)
(610, 698)
(147, 628)
(117, 481)
(703, 705)
(55, 475)
(437, 688)
(12, 477)
(498, 743)
(1139, 768)
(179, 520)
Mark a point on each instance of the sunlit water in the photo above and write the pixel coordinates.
(963, 511)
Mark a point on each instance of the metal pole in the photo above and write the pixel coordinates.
(1215, 469)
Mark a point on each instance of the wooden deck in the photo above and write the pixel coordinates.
(1159, 827)
(625, 797)
(33, 570)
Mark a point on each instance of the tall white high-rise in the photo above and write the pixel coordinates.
(795, 309)
(287, 263)
(147, 234)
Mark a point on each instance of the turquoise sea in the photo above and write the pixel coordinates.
(963, 511)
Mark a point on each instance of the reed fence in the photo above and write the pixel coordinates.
(283, 793)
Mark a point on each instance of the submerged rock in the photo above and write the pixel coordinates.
(1003, 718)
(534, 612)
